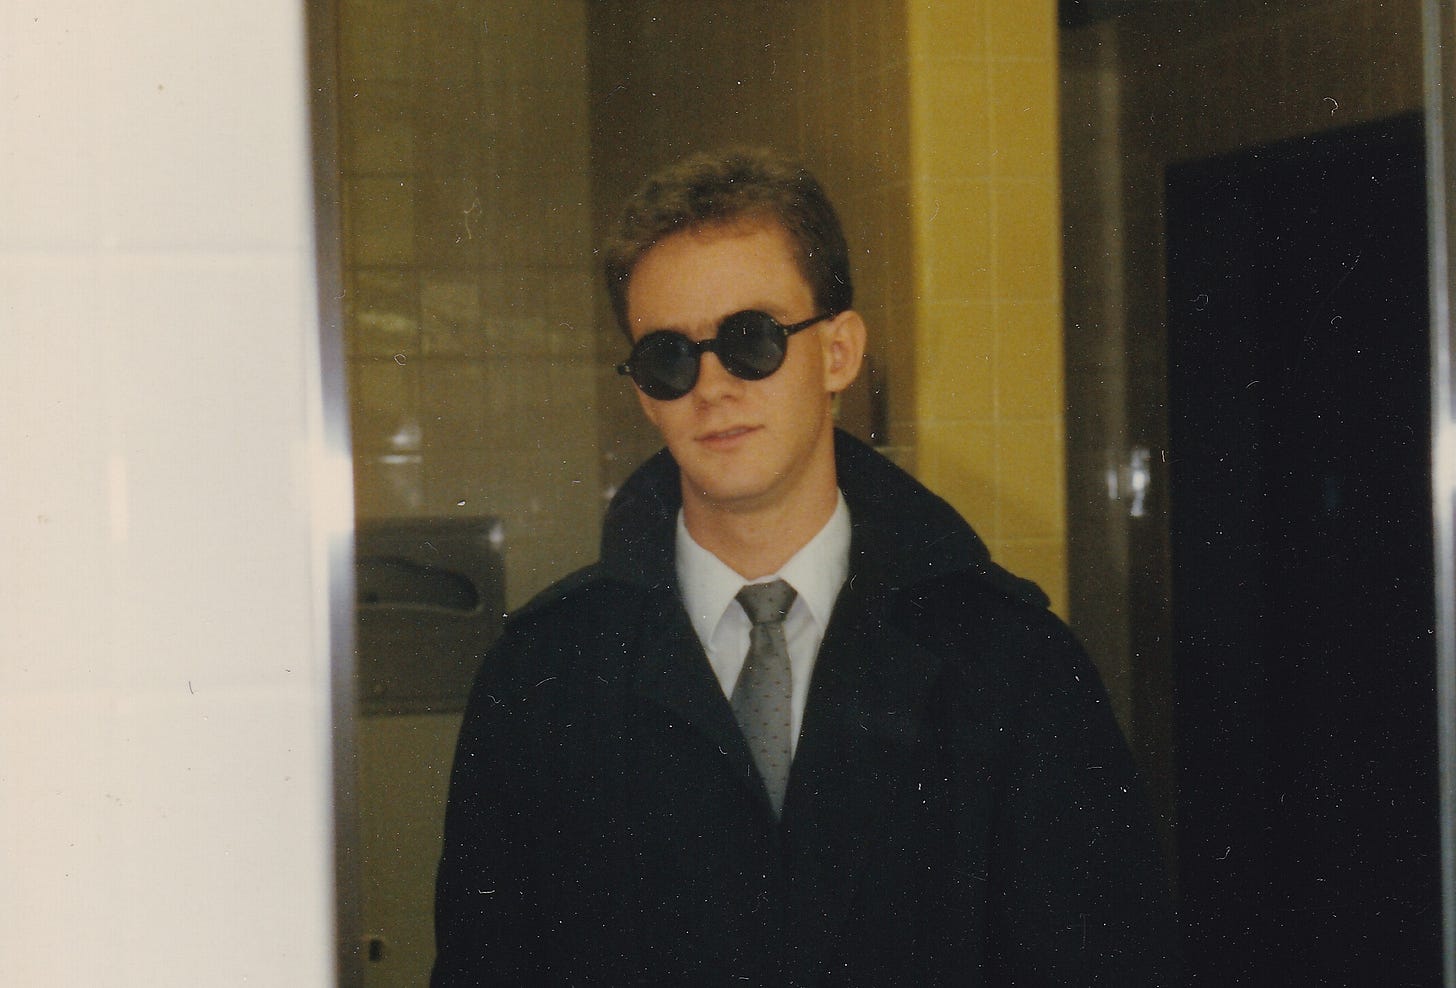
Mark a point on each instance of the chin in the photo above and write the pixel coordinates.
(733, 497)
(730, 497)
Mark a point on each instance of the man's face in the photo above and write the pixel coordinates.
(744, 445)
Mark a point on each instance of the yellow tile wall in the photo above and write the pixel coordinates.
(987, 404)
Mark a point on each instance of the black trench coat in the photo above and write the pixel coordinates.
(961, 808)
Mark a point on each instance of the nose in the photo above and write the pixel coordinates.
(714, 381)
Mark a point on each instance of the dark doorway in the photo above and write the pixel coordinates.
(1302, 563)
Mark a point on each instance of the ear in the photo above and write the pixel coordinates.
(842, 341)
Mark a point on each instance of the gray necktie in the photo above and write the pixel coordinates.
(762, 696)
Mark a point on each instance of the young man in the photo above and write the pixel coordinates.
(883, 763)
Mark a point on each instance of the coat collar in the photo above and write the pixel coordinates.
(903, 533)
(673, 674)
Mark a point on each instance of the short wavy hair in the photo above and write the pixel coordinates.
(721, 188)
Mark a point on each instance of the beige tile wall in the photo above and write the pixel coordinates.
(932, 125)
(852, 127)
(469, 271)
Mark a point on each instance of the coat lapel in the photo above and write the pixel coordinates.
(867, 711)
(674, 676)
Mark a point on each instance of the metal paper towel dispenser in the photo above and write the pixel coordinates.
(430, 600)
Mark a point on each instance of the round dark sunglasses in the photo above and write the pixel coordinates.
(750, 345)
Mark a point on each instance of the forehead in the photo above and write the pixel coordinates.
(704, 273)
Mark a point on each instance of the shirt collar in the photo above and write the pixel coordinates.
(817, 571)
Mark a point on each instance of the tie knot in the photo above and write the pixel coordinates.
(767, 603)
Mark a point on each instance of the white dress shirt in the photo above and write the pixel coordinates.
(710, 586)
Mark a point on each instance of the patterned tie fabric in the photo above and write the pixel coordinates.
(761, 697)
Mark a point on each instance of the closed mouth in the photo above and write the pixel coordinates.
(723, 435)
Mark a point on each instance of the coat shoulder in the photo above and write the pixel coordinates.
(568, 623)
(585, 581)
(969, 621)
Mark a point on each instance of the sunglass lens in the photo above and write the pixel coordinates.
(751, 345)
(664, 365)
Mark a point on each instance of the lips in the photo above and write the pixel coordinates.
(728, 436)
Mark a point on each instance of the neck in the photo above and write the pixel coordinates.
(757, 542)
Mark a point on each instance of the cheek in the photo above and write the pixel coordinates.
(671, 419)
(803, 382)
(649, 407)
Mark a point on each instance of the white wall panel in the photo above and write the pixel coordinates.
(165, 785)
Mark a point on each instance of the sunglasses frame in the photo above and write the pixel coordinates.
(711, 345)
